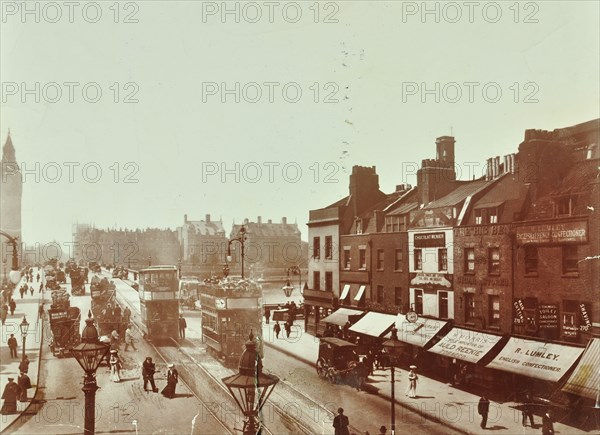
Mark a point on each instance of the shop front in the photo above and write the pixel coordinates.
(417, 335)
(318, 304)
(371, 328)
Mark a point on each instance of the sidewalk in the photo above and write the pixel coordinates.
(9, 367)
(435, 400)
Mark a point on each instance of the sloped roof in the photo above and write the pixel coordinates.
(268, 229)
(459, 194)
(579, 179)
(211, 228)
(404, 208)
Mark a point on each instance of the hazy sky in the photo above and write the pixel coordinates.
(358, 87)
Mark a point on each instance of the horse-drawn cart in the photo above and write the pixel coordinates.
(64, 323)
(337, 359)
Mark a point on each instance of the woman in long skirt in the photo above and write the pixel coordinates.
(412, 382)
(115, 366)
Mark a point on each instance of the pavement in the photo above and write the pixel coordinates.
(28, 306)
(435, 400)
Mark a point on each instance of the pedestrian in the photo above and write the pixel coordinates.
(182, 326)
(127, 315)
(115, 366)
(41, 311)
(129, 340)
(114, 340)
(382, 430)
(346, 329)
(288, 329)
(483, 408)
(31, 290)
(341, 423)
(24, 384)
(148, 370)
(361, 374)
(547, 424)
(277, 329)
(267, 315)
(24, 364)
(12, 345)
(21, 290)
(37, 277)
(117, 311)
(10, 395)
(412, 382)
(41, 287)
(3, 313)
(369, 363)
(527, 410)
(13, 306)
(172, 380)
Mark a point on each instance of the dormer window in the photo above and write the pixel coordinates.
(487, 215)
(359, 228)
(564, 205)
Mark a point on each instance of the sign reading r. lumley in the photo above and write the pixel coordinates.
(566, 232)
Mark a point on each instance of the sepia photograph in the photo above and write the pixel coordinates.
(304, 217)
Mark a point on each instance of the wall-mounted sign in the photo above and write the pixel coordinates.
(586, 324)
(483, 230)
(429, 240)
(548, 316)
(437, 279)
(519, 317)
(566, 232)
(472, 280)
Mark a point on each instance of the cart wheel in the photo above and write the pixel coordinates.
(321, 367)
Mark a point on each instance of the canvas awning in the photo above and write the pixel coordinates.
(465, 344)
(374, 324)
(345, 291)
(361, 292)
(418, 333)
(536, 359)
(585, 380)
(341, 316)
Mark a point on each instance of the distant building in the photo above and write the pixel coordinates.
(11, 190)
(203, 242)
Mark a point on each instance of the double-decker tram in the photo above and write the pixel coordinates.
(230, 311)
(159, 302)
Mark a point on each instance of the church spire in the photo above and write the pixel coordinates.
(8, 152)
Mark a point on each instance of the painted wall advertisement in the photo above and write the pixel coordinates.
(548, 316)
(566, 232)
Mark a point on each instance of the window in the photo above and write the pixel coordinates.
(564, 206)
(492, 215)
(493, 310)
(442, 259)
(494, 261)
(531, 259)
(398, 296)
(316, 247)
(443, 305)
(478, 216)
(362, 258)
(359, 228)
(394, 224)
(380, 294)
(486, 215)
(569, 316)
(316, 280)
(328, 247)
(469, 307)
(419, 301)
(380, 259)
(569, 259)
(398, 260)
(469, 260)
(329, 281)
(418, 259)
(347, 259)
(530, 308)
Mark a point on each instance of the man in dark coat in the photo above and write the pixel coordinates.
(527, 410)
(341, 423)
(172, 380)
(483, 408)
(182, 326)
(547, 424)
(361, 371)
(148, 370)
(24, 384)
(10, 395)
(24, 364)
(277, 329)
(267, 315)
(288, 329)
(12, 345)
(13, 306)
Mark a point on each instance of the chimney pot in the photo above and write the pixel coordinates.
(284, 220)
(270, 221)
(259, 219)
(185, 218)
(208, 218)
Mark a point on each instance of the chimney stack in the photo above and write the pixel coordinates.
(208, 218)
(284, 220)
(270, 221)
(259, 219)
(246, 221)
(185, 218)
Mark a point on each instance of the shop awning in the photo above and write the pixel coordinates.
(341, 316)
(465, 344)
(374, 324)
(585, 380)
(418, 333)
(536, 359)
(345, 291)
(361, 292)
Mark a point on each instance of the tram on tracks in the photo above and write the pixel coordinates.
(159, 302)
(230, 311)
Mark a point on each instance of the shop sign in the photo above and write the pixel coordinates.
(548, 316)
(429, 240)
(519, 317)
(586, 324)
(566, 232)
(437, 279)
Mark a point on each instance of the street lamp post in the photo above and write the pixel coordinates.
(250, 388)
(288, 288)
(149, 260)
(393, 348)
(24, 328)
(242, 239)
(179, 267)
(89, 354)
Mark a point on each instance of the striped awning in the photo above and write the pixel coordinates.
(374, 324)
(341, 316)
(585, 380)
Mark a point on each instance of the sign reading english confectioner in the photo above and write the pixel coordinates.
(566, 232)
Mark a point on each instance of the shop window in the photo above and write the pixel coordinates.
(316, 248)
(529, 312)
(469, 307)
(380, 294)
(418, 301)
(418, 259)
(329, 281)
(442, 259)
(347, 259)
(531, 259)
(398, 260)
(380, 259)
(570, 309)
(316, 280)
(569, 259)
(494, 310)
(494, 261)
(328, 247)
(362, 257)
(469, 260)
(398, 296)
(443, 305)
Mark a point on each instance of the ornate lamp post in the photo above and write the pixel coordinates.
(24, 328)
(250, 388)
(89, 354)
(242, 239)
(179, 267)
(288, 288)
(394, 349)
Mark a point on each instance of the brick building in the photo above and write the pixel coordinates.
(203, 244)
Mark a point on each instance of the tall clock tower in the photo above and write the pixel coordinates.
(11, 189)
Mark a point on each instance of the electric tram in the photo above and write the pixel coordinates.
(159, 302)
